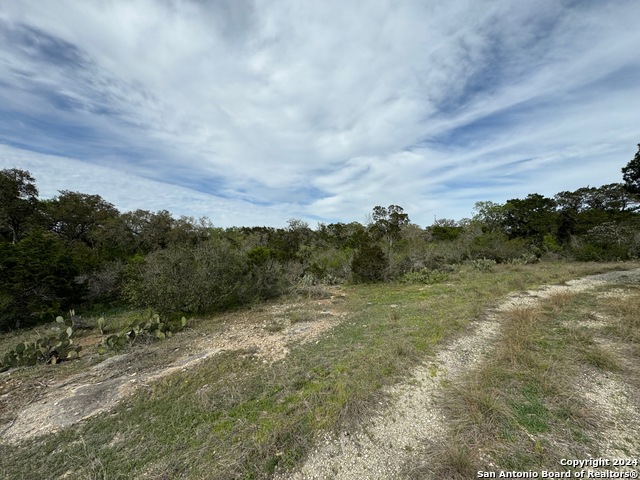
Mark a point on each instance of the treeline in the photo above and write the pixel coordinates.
(78, 251)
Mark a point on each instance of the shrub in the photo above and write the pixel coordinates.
(483, 264)
(206, 277)
(259, 255)
(210, 276)
(606, 242)
(331, 265)
(263, 281)
(587, 253)
(497, 246)
(525, 259)
(369, 264)
(103, 285)
(550, 243)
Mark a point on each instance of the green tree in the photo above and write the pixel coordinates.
(445, 229)
(386, 223)
(531, 217)
(369, 264)
(344, 235)
(631, 174)
(36, 279)
(588, 207)
(78, 217)
(18, 201)
(190, 231)
(148, 231)
(491, 216)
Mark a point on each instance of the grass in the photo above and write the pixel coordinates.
(521, 409)
(235, 417)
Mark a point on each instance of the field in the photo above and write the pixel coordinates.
(312, 384)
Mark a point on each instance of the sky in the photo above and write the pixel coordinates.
(257, 112)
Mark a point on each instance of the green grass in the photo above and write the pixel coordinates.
(520, 409)
(236, 417)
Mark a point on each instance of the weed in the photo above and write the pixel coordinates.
(559, 300)
(452, 460)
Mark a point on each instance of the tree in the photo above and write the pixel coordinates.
(631, 174)
(445, 229)
(149, 231)
(78, 217)
(588, 207)
(369, 264)
(491, 215)
(531, 217)
(190, 231)
(387, 222)
(36, 279)
(344, 235)
(18, 201)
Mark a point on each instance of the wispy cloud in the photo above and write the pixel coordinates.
(319, 110)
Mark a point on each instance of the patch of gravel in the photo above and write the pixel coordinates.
(102, 387)
(618, 407)
(378, 449)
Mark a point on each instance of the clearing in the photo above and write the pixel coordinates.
(367, 381)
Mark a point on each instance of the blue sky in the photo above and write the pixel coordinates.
(252, 113)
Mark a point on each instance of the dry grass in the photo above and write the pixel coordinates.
(559, 300)
(520, 327)
(521, 410)
(457, 459)
(626, 314)
(236, 417)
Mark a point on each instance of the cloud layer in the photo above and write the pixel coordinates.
(255, 112)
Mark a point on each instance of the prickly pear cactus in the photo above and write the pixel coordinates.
(153, 328)
(51, 350)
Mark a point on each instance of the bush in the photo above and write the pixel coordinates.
(483, 264)
(550, 244)
(497, 246)
(526, 259)
(210, 276)
(206, 277)
(259, 255)
(369, 264)
(263, 281)
(331, 265)
(606, 242)
(587, 253)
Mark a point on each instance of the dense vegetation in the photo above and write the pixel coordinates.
(78, 250)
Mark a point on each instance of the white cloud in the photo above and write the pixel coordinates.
(128, 193)
(325, 108)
